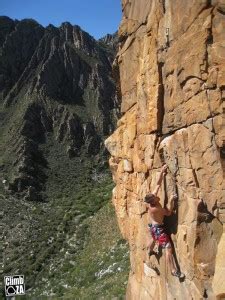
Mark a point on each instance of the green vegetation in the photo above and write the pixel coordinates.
(98, 269)
(70, 243)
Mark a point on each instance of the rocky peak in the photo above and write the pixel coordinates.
(60, 80)
(110, 40)
(6, 26)
(79, 38)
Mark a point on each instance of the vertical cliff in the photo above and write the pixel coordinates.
(172, 76)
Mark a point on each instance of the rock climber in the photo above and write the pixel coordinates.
(156, 227)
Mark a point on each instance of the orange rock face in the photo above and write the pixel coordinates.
(172, 78)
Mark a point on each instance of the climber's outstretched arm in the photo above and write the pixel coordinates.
(159, 182)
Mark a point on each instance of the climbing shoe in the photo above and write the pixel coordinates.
(178, 274)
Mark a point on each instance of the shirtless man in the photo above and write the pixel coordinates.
(157, 230)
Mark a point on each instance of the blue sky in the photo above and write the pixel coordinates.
(97, 17)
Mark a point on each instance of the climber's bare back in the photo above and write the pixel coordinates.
(155, 210)
(157, 213)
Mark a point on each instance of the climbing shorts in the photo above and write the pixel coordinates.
(159, 235)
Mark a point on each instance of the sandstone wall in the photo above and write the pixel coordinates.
(172, 76)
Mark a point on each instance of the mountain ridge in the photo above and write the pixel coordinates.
(58, 102)
(60, 66)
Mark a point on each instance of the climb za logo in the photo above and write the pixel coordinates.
(14, 285)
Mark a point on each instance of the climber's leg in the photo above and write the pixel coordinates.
(150, 247)
(170, 260)
(151, 241)
(171, 263)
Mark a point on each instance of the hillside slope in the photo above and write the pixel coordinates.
(58, 103)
